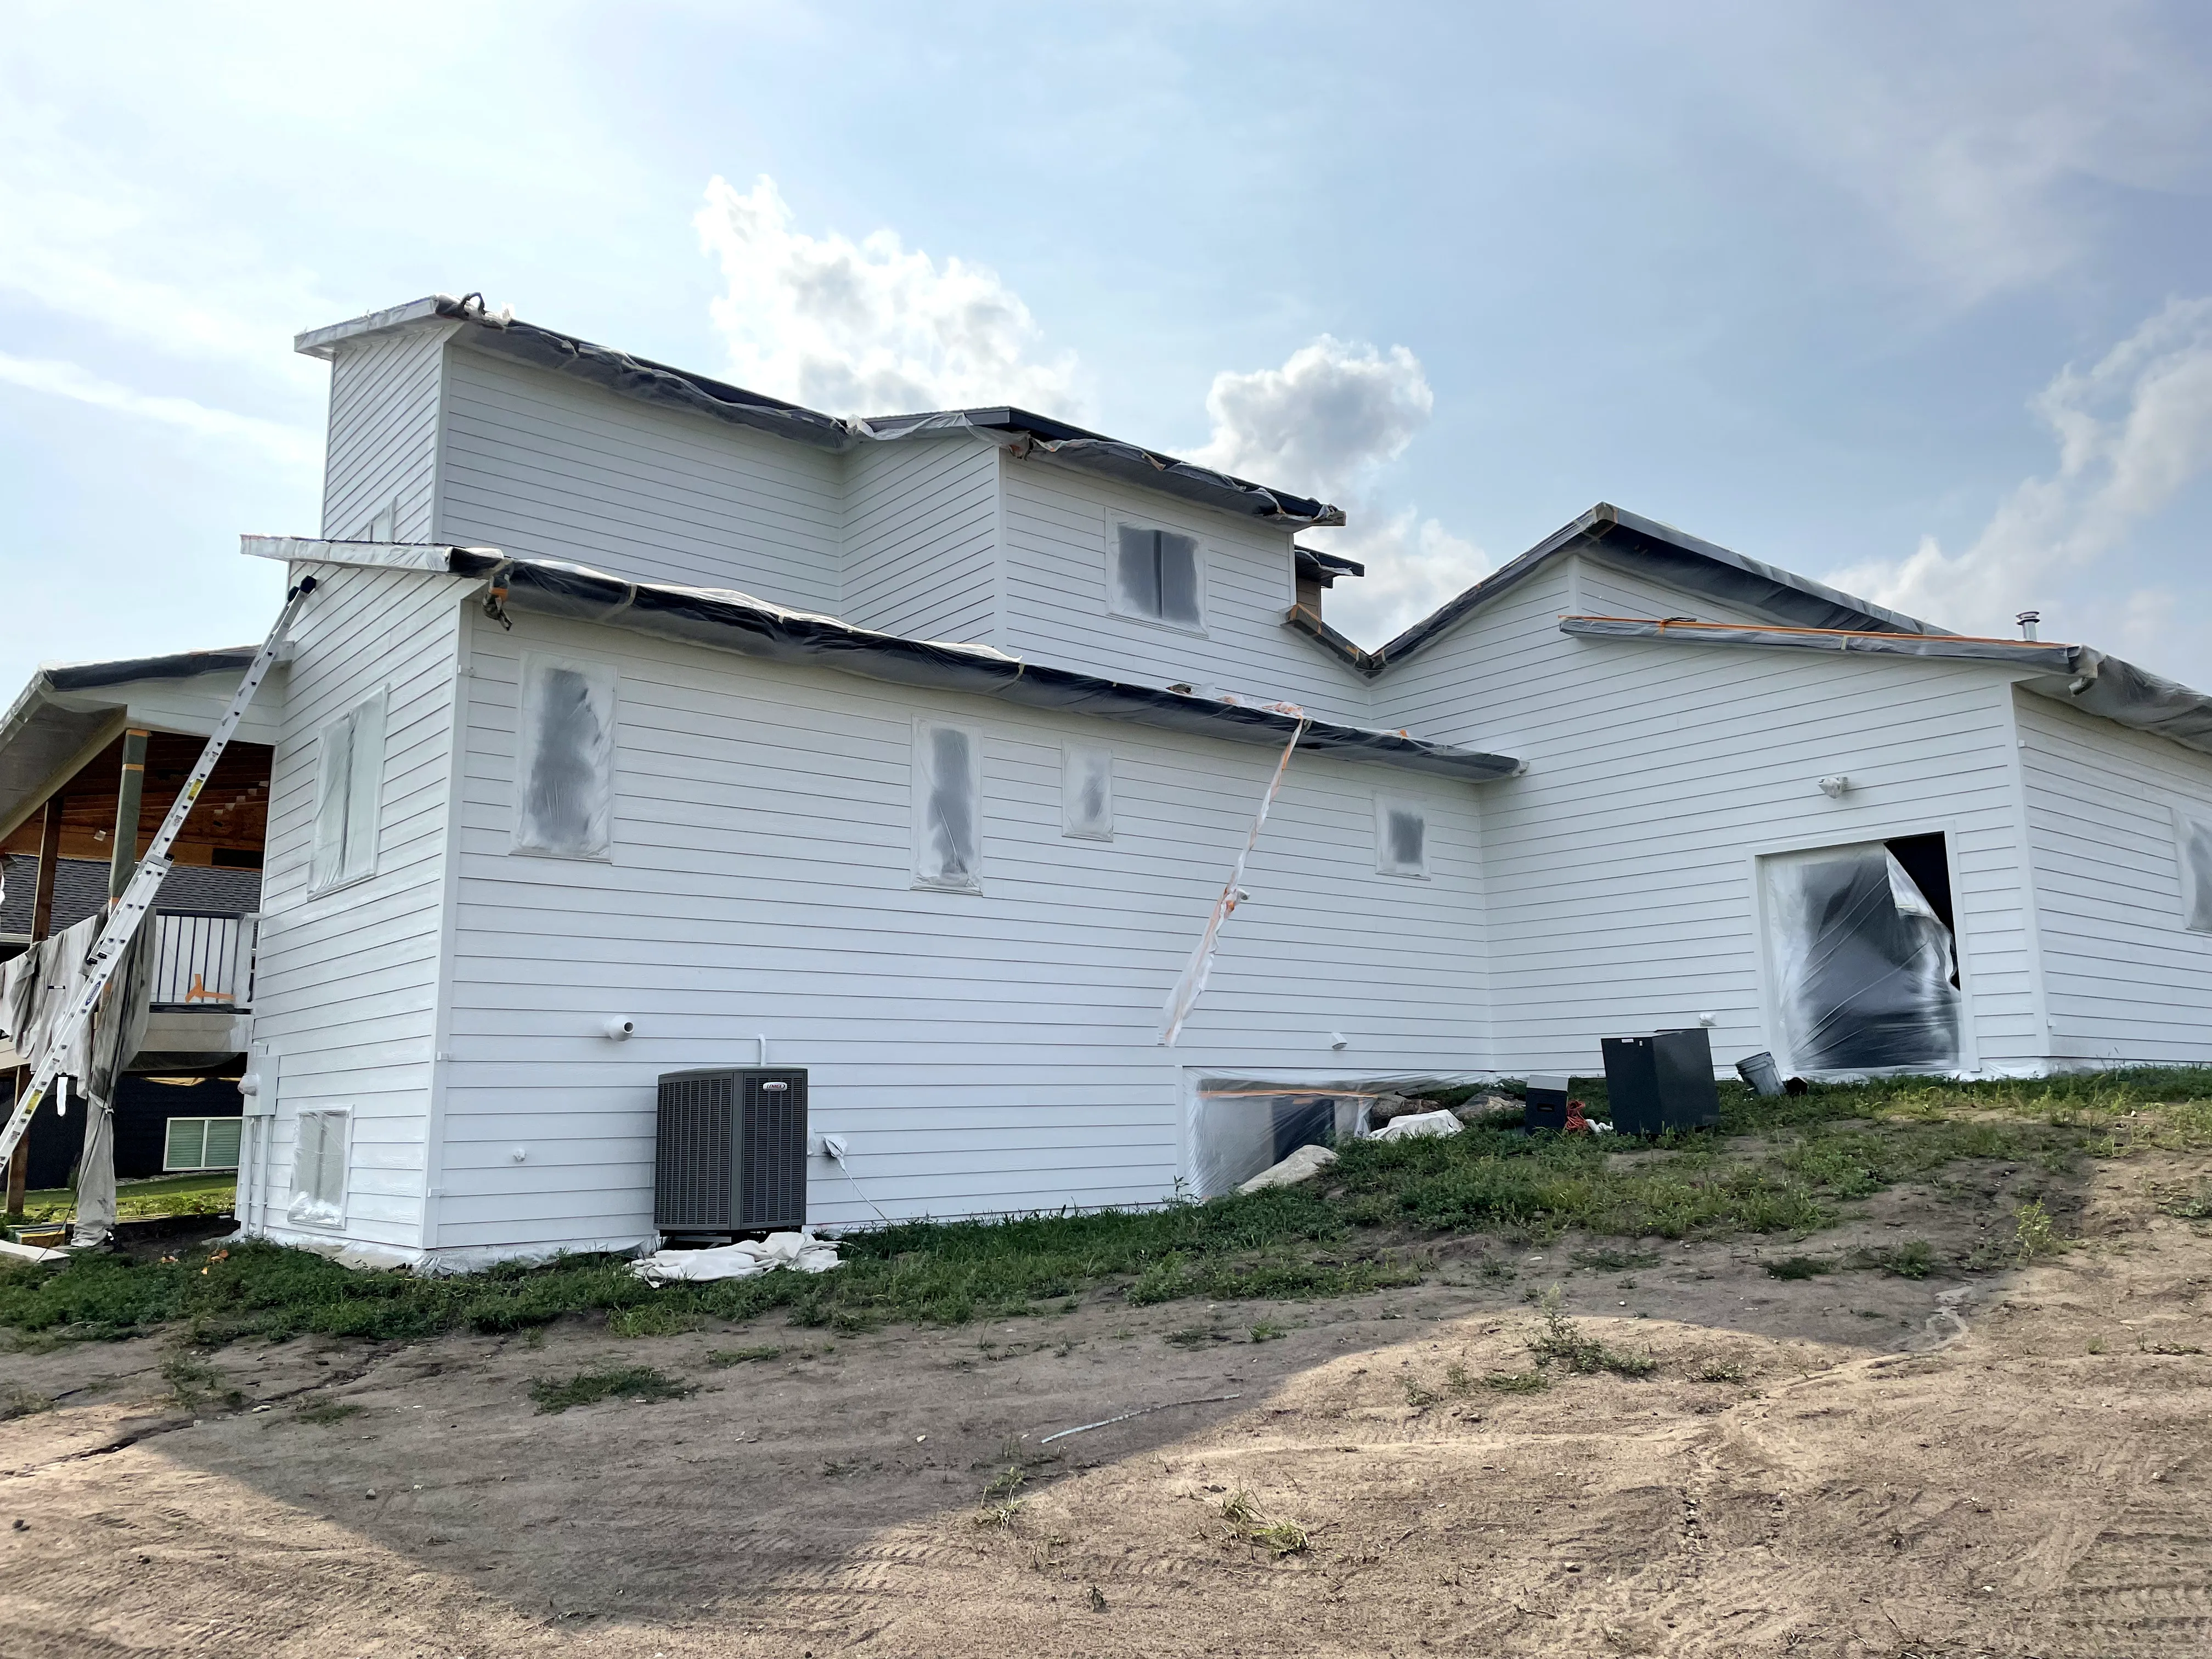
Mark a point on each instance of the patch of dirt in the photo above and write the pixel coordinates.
(2013, 1462)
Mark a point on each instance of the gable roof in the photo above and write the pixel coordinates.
(647, 381)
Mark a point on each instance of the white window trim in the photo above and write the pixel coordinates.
(380, 701)
(923, 726)
(1384, 804)
(321, 1223)
(1201, 570)
(591, 669)
(1068, 830)
(2188, 817)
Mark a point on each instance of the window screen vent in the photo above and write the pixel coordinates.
(729, 1153)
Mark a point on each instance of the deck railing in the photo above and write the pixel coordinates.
(202, 961)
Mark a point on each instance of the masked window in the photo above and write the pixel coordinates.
(1401, 839)
(1156, 574)
(564, 786)
(948, 792)
(1244, 1129)
(319, 1169)
(349, 781)
(1086, 792)
(1864, 958)
(2192, 838)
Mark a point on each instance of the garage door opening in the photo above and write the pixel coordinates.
(1862, 941)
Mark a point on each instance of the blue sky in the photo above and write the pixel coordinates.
(1914, 298)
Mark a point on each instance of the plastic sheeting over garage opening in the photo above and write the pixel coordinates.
(1862, 943)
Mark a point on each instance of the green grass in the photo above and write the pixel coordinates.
(608, 1382)
(214, 1193)
(1789, 1166)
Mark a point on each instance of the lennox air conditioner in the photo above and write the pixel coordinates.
(730, 1154)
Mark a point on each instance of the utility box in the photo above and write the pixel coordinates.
(1664, 1081)
(729, 1153)
(1546, 1105)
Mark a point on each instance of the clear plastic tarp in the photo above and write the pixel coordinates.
(2193, 839)
(1865, 964)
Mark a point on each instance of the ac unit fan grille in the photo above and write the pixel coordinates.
(772, 1167)
(692, 1166)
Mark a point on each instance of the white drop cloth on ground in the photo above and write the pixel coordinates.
(1415, 1124)
(1303, 1165)
(745, 1259)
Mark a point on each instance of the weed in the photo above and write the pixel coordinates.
(2165, 1347)
(328, 1411)
(2033, 1233)
(1280, 1538)
(723, 1358)
(1560, 1341)
(1240, 1509)
(608, 1382)
(193, 1383)
(1799, 1267)
(834, 1467)
(2096, 1345)
(1615, 1261)
(1283, 1537)
(652, 1319)
(1008, 1481)
(22, 1402)
(1268, 1331)
(1196, 1336)
(999, 1516)
(1720, 1370)
(1419, 1396)
(1516, 1382)
(1497, 1271)
(1457, 1380)
(1097, 1601)
(2190, 1207)
(1914, 1259)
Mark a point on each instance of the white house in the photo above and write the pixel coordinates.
(916, 752)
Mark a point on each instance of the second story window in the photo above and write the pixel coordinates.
(1156, 575)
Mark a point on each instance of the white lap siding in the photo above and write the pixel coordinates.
(979, 1052)
(545, 467)
(382, 449)
(346, 989)
(2124, 979)
(921, 538)
(1620, 870)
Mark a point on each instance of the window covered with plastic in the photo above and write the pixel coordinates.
(1156, 574)
(319, 1169)
(564, 786)
(1864, 957)
(1086, 790)
(1401, 839)
(948, 797)
(1242, 1129)
(2194, 836)
(349, 781)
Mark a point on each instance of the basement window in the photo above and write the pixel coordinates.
(564, 786)
(1086, 792)
(319, 1169)
(1864, 955)
(201, 1143)
(349, 781)
(1401, 839)
(2194, 838)
(948, 795)
(1157, 575)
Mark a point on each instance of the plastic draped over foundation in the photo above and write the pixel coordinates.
(1865, 964)
(1243, 1126)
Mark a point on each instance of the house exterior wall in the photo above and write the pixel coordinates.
(2123, 980)
(545, 467)
(1621, 869)
(347, 980)
(383, 443)
(979, 1052)
(1059, 529)
(921, 534)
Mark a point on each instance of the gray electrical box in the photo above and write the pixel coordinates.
(730, 1152)
(1664, 1081)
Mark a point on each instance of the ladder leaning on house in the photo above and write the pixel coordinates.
(138, 899)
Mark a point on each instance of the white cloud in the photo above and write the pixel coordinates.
(869, 327)
(1327, 423)
(61, 380)
(2132, 431)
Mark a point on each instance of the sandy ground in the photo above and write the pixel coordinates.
(2001, 1463)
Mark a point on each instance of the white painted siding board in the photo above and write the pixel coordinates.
(2123, 979)
(921, 528)
(347, 981)
(542, 467)
(761, 881)
(383, 431)
(1619, 870)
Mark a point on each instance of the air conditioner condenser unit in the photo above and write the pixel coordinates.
(730, 1152)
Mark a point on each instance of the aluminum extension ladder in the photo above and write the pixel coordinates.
(131, 910)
